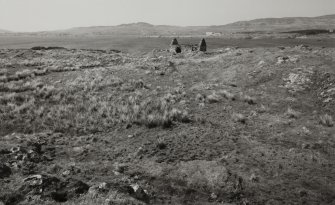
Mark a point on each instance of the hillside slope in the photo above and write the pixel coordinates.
(290, 23)
(266, 24)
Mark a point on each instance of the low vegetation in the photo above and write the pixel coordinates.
(215, 127)
(327, 120)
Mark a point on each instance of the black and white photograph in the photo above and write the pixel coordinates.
(167, 102)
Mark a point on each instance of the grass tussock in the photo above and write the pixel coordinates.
(213, 98)
(326, 120)
(80, 108)
(3, 71)
(292, 114)
(151, 112)
(238, 117)
(248, 99)
(227, 95)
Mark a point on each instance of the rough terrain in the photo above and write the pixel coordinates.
(229, 126)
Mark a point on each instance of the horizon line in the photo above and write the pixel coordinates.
(90, 26)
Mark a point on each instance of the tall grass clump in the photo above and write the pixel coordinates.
(326, 120)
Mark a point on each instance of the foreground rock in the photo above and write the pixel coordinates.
(47, 188)
(5, 171)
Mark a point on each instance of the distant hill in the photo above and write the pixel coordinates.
(262, 25)
(135, 29)
(4, 31)
(284, 24)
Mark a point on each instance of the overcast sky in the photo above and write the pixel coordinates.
(38, 15)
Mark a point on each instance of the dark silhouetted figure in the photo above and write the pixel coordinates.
(203, 45)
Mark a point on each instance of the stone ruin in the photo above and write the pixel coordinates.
(175, 47)
(203, 45)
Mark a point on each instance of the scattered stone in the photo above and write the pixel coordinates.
(66, 173)
(78, 149)
(130, 136)
(298, 81)
(261, 62)
(50, 187)
(5, 171)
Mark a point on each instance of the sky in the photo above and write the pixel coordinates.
(41, 15)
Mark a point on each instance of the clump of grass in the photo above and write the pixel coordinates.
(213, 98)
(38, 72)
(200, 98)
(162, 116)
(326, 120)
(151, 112)
(237, 117)
(248, 99)
(3, 79)
(25, 73)
(161, 144)
(262, 109)
(227, 95)
(12, 77)
(79, 107)
(3, 71)
(290, 113)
